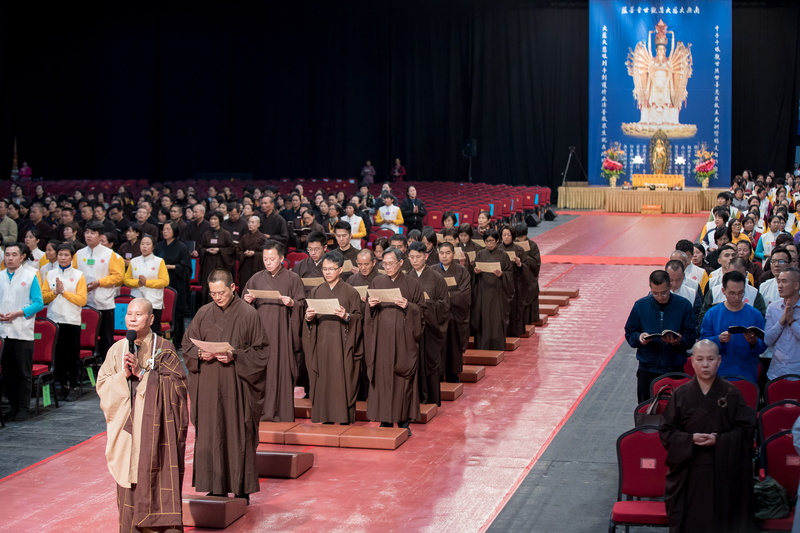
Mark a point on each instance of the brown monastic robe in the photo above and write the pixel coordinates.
(391, 346)
(532, 261)
(357, 280)
(492, 296)
(434, 335)
(458, 327)
(351, 254)
(516, 327)
(148, 485)
(223, 259)
(255, 263)
(226, 398)
(281, 325)
(709, 488)
(308, 269)
(334, 349)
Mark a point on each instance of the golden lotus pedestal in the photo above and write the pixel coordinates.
(661, 181)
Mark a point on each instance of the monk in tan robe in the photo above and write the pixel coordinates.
(227, 390)
(143, 398)
(280, 320)
(392, 333)
(367, 270)
(310, 268)
(333, 346)
(492, 293)
(457, 279)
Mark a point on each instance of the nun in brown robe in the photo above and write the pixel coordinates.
(708, 433)
(334, 348)
(281, 320)
(226, 397)
(437, 317)
(491, 295)
(367, 270)
(216, 250)
(248, 251)
(457, 279)
(392, 333)
(516, 327)
(532, 261)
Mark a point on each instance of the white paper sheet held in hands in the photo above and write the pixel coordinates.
(212, 347)
(488, 267)
(362, 290)
(267, 295)
(323, 307)
(386, 295)
(511, 255)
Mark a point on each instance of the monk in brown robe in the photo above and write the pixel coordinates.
(333, 346)
(491, 296)
(532, 261)
(392, 332)
(280, 319)
(708, 432)
(227, 390)
(437, 317)
(248, 251)
(341, 230)
(516, 327)
(310, 268)
(143, 398)
(457, 279)
(367, 270)
(216, 250)
(430, 240)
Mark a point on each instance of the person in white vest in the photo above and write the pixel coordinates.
(104, 271)
(357, 228)
(780, 260)
(20, 300)
(147, 276)
(389, 215)
(64, 290)
(678, 284)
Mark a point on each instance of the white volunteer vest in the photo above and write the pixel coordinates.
(355, 222)
(15, 293)
(687, 292)
(60, 310)
(750, 294)
(769, 291)
(94, 263)
(148, 267)
(389, 213)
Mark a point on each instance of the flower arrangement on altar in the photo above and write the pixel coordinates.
(626, 186)
(705, 166)
(612, 164)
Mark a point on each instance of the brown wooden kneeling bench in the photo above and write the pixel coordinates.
(542, 321)
(273, 432)
(561, 301)
(512, 343)
(426, 413)
(530, 329)
(451, 391)
(483, 357)
(302, 407)
(283, 464)
(560, 291)
(472, 373)
(214, 512)
(548, 309)
(374, 438)
(315, 434)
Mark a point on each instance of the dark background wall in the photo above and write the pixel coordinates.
(163, 90)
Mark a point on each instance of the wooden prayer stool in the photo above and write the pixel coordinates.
(560, 291)
(426, 413)
(374, 438)
(483, 357)
(289, 465)
(653, 209)
(512, 343)
(471, 343)
(213, 512)
(542, 321)
(472, 373)
(530, 329)
(273, 432)
(548, 309)
(315, 435)
(302, 407)
(561, 301)
(451, 391)
(361, 411)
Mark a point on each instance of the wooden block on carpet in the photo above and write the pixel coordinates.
(471, 343)
(283, 464)
(361, 411)
(302, 407)
(542, 321)
(530, 329)
(375, 438)
(451, 391)
(315, 435)
(653, 209)
(214, 512)
(472, 373)
(512, 343)
(548, 309)
(561, 301)
(483, 357)
(561, 291)
(426, 413)
(272, 432)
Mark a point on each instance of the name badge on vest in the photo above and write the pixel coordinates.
(213, 241)
(128, 255)
(90, 261)
(236, 233)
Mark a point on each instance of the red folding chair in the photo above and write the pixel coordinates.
(781, 462)
(295, 257)
(435, 220)
(777, 417)
(168, 312)
(675, 379)
(786, 387)
(466, 216)
(90, 330)
(642, 474)
(749, 390)
(45, 333)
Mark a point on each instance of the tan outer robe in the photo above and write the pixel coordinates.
(255, 263)
(307, 269)
(148, 478)
(226, 398)
(458, 326)
(334, 349)
(223, 259)
(434, 336)
(391, 346)
(281, 325)
(491, 297)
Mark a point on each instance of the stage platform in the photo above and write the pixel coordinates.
(688, 201)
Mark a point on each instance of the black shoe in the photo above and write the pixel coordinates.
(22, 416)
(386, 424)
(11, 415)
(404, 425)
(244, 496)
(63, 394)
(217, 495)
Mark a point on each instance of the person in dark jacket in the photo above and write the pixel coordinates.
(413, 210)
(656, 313)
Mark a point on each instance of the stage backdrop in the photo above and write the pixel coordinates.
(660, 78)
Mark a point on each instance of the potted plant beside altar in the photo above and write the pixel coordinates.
(705, 166)
(613, 166)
